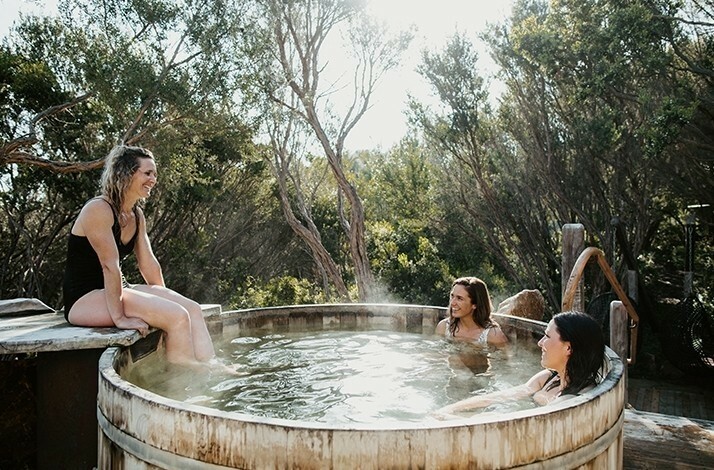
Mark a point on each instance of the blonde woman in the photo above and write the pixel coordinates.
(109, 228)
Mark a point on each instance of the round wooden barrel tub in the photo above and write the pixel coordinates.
(140, 429)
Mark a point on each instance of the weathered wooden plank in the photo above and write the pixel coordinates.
(654, 400)
(50, 332)
(573, 245)
(654, 441)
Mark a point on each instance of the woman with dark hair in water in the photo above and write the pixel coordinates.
(573, 354)
(469, 316)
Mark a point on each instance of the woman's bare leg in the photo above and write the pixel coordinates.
(91, 310)
(202, 343)
(171, 317)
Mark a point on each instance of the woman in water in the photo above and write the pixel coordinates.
(573, 354)
(110, 227)
(469, 316)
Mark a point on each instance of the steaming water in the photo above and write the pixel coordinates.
(343, 377)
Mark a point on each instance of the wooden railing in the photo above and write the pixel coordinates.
(572, 287)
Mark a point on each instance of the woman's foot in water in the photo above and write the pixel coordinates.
(216, 366)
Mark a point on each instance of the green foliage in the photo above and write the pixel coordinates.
(26, 84)
(285, 290)
(160, 75)
(402, 183)
(398, 191)
(416, 240)
(457, 83)
(408, 264)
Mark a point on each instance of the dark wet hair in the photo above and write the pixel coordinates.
(478, 292)
(587, 349)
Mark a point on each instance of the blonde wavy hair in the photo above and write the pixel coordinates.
(119, 167)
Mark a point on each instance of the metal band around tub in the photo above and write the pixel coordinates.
(148, 453)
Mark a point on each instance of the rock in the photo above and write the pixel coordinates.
(525, 304)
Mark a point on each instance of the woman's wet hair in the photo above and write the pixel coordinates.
(587, 349)
(478, 292)
(119, 167)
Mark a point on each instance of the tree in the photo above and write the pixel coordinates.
(149, 73)
(488, 196)
(298, 31)
(584, 133)
(596, 104)
(284, 156)
(405, 238)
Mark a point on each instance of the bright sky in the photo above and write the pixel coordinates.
(436, 20)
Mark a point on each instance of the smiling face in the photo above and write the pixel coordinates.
(143, 180)
(555, 352)
(460, 304)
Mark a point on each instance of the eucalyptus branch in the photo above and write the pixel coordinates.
(171, 65)
(63, 167)
(53, 110)
(15, 151)
(677, 19)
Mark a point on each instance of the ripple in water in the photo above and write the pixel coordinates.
(343, 377)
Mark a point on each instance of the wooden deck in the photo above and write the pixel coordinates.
(668, 425)
(671, 398)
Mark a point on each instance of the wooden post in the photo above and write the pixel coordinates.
(573, 245)
(689, 255)
(632, 284)
(619, 332)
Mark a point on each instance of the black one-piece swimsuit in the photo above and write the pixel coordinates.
(83, 271)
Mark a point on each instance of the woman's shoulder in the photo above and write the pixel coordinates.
(539, 380)
(97, 207)
(496, 335)
(95, 214)
(98, 204)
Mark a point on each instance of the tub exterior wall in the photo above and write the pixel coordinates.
(257, 445)
(141, 430)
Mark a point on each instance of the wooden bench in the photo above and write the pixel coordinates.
(66, 359)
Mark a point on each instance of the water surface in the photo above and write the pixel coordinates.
(342, 377)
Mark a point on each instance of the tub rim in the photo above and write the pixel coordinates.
(109, 361)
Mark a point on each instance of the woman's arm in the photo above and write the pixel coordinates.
(482, 401)
(534, 384)
(95, 222)
(496, 336)
(148, 264)
(441, 327)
